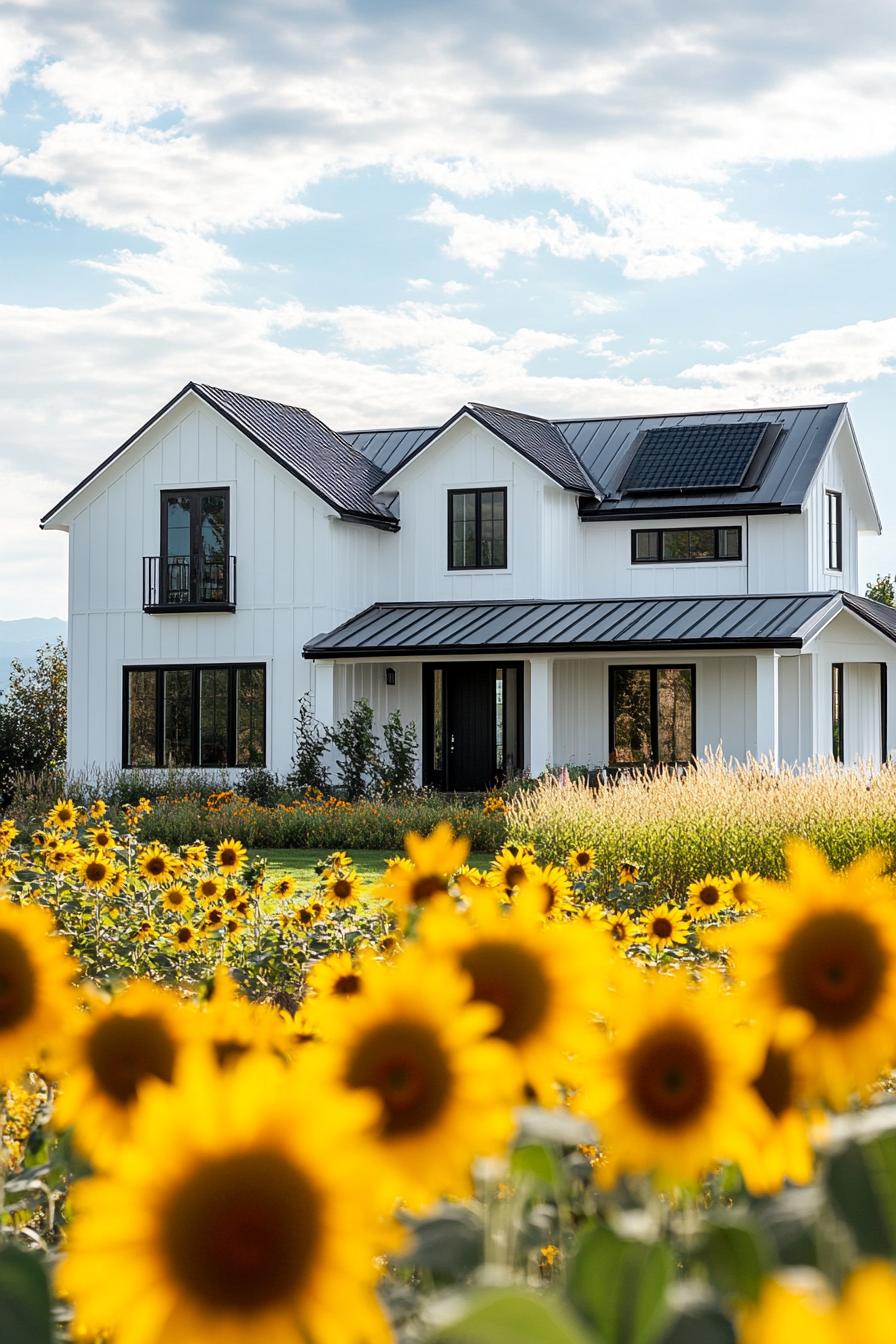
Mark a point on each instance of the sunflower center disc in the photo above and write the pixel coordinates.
(240, 1233)
(670, 1077)
(405, 1064)
(775, 1083)
(662, 927)
(424, 888)
(17, 985)
(512, 979)
(347, 984)
(834, 967)
(124, 1051)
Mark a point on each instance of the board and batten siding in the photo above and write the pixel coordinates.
(300, 570)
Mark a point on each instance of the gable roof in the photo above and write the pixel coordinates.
(756, 621)
(533, 438)
(312, 452)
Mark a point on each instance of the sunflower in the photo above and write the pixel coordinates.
(62, 856)
(825, 945)
(176, 897)
(284, 888)
(155, 864)
(213, 919)
(434, 859)
(183, 937)
(117, 878)
(550, 887)
(230, 857)
(338, 976)
(399, 867)
(237, 1231)
(782, 1151)
(414, 1040)
(543, 979)
(63, 815)
(580, 860)
(234, 927)
(742, 890)
(195, 856)
(344, 890)
(791, 1307)
(36, 995)
(8, 833)
(622, 928)
(108, 1055)
(145, 931)
(338, 860)
(512, 867)
(707, 897)
(669, 1087)
(95, 871)
(471, 881)
(390, 945)
(867, 1306)
(101, 837)
(233, 1025)
(628, 874)
(209, 889)
(97, 809)
(664, 925)
(232, 895)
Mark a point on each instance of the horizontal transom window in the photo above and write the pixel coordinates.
(209, 716)
(678, 545)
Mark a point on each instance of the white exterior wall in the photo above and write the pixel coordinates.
(861, 650)
(838, 471)
(299, 570)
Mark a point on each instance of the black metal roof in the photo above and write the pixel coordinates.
(394, 628)
(690, 458)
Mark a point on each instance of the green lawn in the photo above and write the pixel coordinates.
(369, 862)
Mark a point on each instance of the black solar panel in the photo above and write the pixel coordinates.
(693, 457)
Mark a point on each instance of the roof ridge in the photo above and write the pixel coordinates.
(720, 410)
(507, 410)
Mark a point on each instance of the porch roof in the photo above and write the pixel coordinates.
(610, 624)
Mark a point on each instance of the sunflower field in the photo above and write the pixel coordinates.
(547, 1102)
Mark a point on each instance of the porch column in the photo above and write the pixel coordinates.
(767, 706)
(325, 692)
(540, 718)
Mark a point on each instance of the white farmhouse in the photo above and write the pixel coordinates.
(605, 592)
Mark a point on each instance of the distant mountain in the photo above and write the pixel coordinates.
(22, 639)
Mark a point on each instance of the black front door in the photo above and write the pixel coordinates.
(472, 723)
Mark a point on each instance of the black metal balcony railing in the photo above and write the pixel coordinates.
(179, 583)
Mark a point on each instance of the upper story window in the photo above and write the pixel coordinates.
(194, 716)
(678, 545)
(194, 569)
(834, 503)
(477, 529)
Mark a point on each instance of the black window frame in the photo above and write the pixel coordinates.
(834, 530)
(196, 669)
(714, 559)
(654, 669)
(194, 494)
(838, 713)
(477, 491)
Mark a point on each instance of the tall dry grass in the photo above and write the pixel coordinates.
(715, 817)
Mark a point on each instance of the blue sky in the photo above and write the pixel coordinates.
(379, 211)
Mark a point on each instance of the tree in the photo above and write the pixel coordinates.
(883, 589)
(33, 715)
(312, 740)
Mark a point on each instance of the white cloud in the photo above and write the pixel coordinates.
(455, 287)
(714, 345)
(589, 304)
(420, 282)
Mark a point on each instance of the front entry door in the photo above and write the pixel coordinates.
(472, 718)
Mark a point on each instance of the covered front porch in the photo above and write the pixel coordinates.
(499, 688)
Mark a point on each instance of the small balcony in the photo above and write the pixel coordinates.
(181, 583)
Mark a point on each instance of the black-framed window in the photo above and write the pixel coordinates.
(205, 715)
(834, 508)
(194, 545)
(678, 545)
(837, 711)
(653, 717)
(477, 529)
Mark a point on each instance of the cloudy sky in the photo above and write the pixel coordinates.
(381, 210)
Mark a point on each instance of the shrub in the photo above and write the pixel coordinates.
(260, 786)
(398, 764)
(311, 742)
(359, 756)
(33, 716)
(715, 817)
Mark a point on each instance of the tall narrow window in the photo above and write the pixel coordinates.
(195, 539)
(652, 715)
(837, 714)
(194, 716)
(835, 529)
(477, 529)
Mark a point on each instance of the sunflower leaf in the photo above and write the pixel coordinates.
(737, 1254)
(24, 1298)
(860, 1182)
(620, 1285)
(507, 1316)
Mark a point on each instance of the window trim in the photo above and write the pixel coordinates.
(834, 499)
(478, 491)
(194, 494)
(715, 559)
(654, 669)
(838, 713)
(195, 728)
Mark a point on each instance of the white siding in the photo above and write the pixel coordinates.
(776, 547)
(861, 650)
(837, 472)
(608, 570)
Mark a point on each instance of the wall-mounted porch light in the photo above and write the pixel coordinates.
(390, 676)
